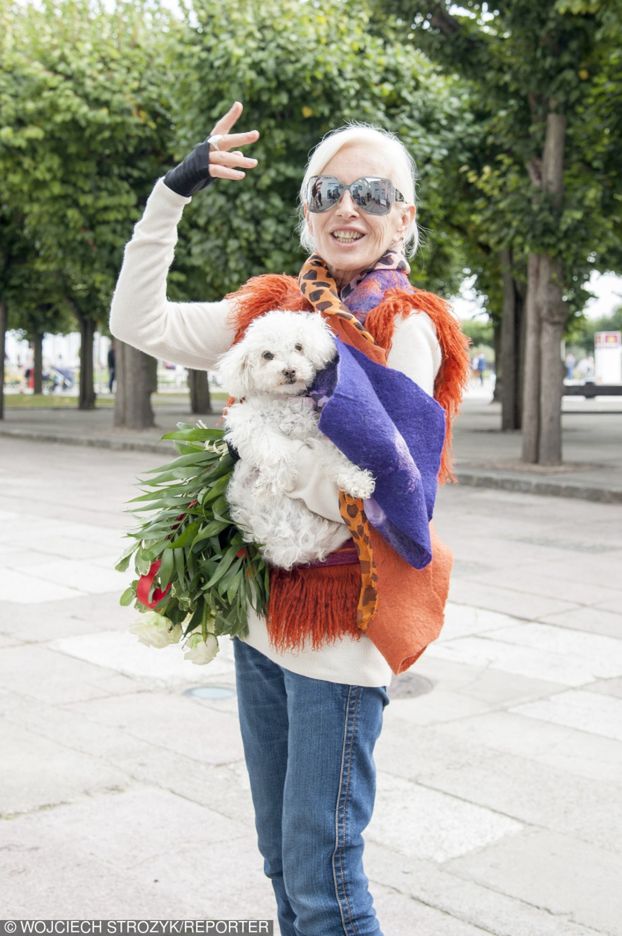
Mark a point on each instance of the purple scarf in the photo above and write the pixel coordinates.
(384, 422)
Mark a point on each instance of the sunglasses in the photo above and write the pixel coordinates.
(373, 195)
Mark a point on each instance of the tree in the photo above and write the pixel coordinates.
(547, 75)
(86, 130)
(320, 69)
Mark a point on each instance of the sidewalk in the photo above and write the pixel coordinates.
(483, 455)
(124, 793)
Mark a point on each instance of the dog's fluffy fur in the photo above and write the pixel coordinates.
(269, 372)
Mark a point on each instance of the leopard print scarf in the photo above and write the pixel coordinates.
(320, 289)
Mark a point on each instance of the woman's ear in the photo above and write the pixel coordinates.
(408, 216)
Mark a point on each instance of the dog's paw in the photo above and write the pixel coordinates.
(358, 482)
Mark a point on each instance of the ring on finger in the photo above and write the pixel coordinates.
(214, 141)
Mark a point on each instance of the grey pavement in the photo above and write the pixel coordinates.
(484, 456)
(499, 791)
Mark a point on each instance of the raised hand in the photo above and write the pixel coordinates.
(218, 160)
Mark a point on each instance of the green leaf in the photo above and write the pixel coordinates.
(223, 566)
(165, 571)
(128, 596)
(187, 535)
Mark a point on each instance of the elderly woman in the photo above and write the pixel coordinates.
(312, 685)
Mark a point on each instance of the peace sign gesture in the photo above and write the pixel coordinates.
(215, 157)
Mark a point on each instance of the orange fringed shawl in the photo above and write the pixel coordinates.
(323, 604)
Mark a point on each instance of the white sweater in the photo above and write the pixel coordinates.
(195, 334)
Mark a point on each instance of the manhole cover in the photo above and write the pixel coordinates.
(410, 684)
(210, 692)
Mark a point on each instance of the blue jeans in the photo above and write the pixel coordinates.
(308, 746)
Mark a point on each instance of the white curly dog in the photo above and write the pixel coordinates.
(269, 372)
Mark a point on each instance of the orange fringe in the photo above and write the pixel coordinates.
(262, 294)
(319, 603)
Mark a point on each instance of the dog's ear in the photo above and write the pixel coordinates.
(234, 370)
(322, 348)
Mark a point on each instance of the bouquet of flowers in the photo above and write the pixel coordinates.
(196, 577)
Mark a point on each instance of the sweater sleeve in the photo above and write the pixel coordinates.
(416, 352)
(193, 334)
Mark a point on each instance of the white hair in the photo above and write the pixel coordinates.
(401, 170)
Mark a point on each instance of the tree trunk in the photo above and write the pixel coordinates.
(87, 396)
(37, 365)
(136, 375)
(553, 308)
(3, 330)
(531, 371)
(509, 348)
(200, 400)
(552, 367)
(496, 347)
(520, 346)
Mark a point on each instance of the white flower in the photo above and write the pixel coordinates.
(154, 630)
(199, 650)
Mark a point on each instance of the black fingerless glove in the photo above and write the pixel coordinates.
(192, 174)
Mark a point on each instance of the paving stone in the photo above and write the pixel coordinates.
(507, 601)
(39, 774)
(610, 687)
(594, 572)
(401, 915)
(533, 793)
(613, 606)
(38, 672)
(465, 900)
(143, 853)
(83, 576)
(567, 643)
(580, 753)
(530, 579)
(225, 788)
(76, 615)
(594, 620)
(25, 588)
(587, 711)
(555, 872)
(524, 661)
(170, 721)
(461, 620)
(123, 652)
(440, 705)
(479, 682)
(439, 826)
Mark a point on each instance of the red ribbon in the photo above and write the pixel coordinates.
(146, 581)
(144, 587)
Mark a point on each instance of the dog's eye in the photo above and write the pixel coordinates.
(298, 347)
(267, 355)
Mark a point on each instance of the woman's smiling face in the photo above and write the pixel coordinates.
(373, 234)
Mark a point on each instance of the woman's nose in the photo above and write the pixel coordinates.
(346, 205)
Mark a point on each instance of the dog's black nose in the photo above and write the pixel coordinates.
(290, 375)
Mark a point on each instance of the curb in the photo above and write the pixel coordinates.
(465, 476)
(119, 445)
(539, 486)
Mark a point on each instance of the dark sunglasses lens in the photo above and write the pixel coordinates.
(325, 192)
(379, 196)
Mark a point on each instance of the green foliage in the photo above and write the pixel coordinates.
(319, 69)
(85, 128)
(207, 574)
(520, 61)
(582, 330)
(480, 333)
